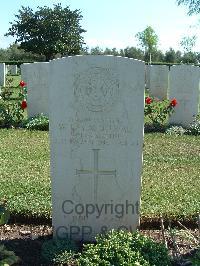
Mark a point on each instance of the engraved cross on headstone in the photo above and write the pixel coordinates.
(96, 172)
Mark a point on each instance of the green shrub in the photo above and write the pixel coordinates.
(57, 250)
(11, 112)
(124, 248)
(155, 253)
(66, 258)
(114, 248)
(150, 128)
(39, 122)
(7, 257)
(194, 128)
(195, 259)
(111, 249)
(157, 112)
(176, 130)
(4, 214)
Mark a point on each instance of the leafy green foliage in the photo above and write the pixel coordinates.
(16, 56)
(193, 6)
(194, 128)
(113, 248)
(54, 250)
(172, 56)
(4, 214)
(11, 112)
(39, 122)
(132, 52)
(68, 257)
(157, 111)
(48, 31)
(124, 248)
(148, 39)
(195, 260)
(188, 43)
(7, 257)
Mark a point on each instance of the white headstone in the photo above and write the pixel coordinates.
(2, 74)
(13, 69)
(184, 86)
(36, 75)
(96, 132)
(158, 81)
(147, 76)
(6, 69)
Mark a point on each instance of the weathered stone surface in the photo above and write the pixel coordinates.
(96, 133)
(36, 75)
(184, 86)
(2, 74)
(158, 81)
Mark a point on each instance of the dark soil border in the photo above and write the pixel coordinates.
(145, 222)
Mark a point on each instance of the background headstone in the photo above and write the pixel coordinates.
(158, 81)
(13, 69)
(96, 133)
(36, 75)
(2, 74)
(147, 76)
(8, 69)
(184, 86)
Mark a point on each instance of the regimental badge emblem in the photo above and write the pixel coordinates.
(97, 89)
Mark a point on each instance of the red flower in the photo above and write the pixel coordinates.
(22, 83)
(23, 104)
(148, 100)
(173, 102)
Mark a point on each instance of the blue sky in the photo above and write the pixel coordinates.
(114, 23)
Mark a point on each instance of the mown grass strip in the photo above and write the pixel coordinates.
(170, 179)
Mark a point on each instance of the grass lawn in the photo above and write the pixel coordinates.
(171, 176)
(170, 179)
(24, 172)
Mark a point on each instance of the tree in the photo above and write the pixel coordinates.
(108, 51)
(193, 5)
(96, 51)
(172, 57)
(190, 58)
(14, 53)
(133, 52)
(188, 43)
(48, 31)
(156, 56)
(148, 40)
